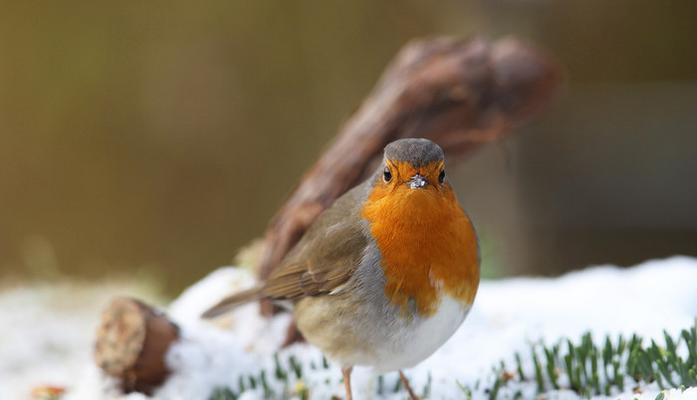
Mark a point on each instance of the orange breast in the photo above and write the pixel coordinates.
(428, 245)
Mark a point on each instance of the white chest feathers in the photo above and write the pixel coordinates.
(414, 341)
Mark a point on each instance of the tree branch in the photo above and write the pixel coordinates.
(458, 93)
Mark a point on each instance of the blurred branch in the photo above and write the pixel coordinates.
(459, 93)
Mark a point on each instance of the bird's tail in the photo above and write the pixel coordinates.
(233, 301)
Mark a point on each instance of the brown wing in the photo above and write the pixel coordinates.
(326, 256)
(324, 259)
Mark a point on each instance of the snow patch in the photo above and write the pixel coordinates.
(507, 316)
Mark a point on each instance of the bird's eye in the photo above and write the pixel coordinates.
(441, 176)
(387, 175)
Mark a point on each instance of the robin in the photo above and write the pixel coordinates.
(385, 275)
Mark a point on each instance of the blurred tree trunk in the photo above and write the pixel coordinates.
(458, 93)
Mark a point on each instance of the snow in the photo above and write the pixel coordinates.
(47, 331)
(507, 315)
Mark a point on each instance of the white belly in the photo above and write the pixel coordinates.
(415, 341)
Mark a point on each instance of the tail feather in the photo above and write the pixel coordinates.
(233, 301)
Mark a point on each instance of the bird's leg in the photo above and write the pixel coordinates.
(407, 386)
(347, 381)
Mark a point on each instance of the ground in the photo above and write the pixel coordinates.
(49, 339)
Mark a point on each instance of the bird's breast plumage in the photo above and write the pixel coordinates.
(427, 244)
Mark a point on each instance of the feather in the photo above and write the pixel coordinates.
(232, 301)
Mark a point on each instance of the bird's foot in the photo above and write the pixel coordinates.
(407, 386)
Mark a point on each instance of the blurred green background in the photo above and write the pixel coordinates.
(156, 138)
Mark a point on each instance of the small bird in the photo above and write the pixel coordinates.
(385, 275)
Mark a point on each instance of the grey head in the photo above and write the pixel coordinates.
(417, 152)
